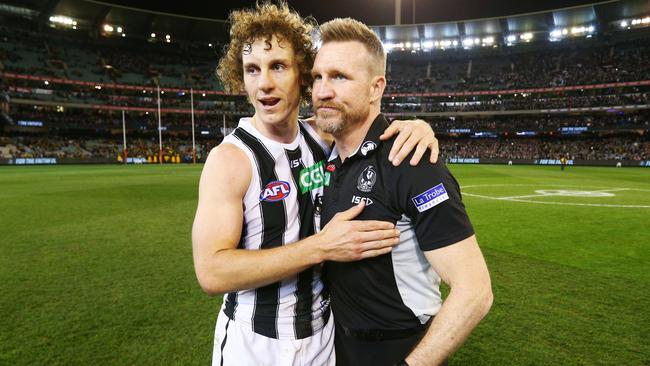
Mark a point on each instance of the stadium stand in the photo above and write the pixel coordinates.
(584, 97)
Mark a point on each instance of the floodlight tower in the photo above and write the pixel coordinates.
(398, 12)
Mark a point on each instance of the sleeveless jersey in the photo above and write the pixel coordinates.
(281, 206)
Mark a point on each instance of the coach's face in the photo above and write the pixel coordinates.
(342, 86)
(272, 81)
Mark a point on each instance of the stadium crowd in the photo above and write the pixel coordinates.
(612, 148)
(561, 64)
(94, 131)
(617, 148)
(94, 149)
(554, 65)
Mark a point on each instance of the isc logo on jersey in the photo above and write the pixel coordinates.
(275, 191)
(313, 177)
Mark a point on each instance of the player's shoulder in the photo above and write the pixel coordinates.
(226, 152)
(227, 159)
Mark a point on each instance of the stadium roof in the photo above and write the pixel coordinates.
(200, 20)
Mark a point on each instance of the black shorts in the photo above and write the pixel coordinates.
(355, 351)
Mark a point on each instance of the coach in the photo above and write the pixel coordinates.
(388, 309)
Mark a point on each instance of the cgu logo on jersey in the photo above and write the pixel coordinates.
(275, 191)
(313, 177)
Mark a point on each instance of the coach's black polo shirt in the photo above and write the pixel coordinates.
(398, 290)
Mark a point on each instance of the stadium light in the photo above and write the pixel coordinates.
(108, 28)
(98, 87)
(488, 41)
(123, 34)
(119, 29)
(167, 36)
(454, 43)
(407, 45)
(526, 36)
(60, 19)
(427, 44)
(468, 42)
(153, 35)
(624, 23)
(209, 44)
(46, 82)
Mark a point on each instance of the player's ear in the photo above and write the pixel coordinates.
(377, 86)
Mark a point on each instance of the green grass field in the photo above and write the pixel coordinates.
(96, 266)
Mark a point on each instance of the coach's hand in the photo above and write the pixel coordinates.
(344, 239)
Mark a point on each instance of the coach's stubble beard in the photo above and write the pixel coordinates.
(338, 118)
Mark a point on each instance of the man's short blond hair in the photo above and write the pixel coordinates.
(348, 29)
(263, 22)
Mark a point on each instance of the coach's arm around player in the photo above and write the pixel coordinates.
(462, 267)
(221, 267)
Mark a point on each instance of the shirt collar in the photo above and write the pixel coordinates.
(371, 142)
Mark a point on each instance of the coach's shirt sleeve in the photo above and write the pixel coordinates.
(430, 196)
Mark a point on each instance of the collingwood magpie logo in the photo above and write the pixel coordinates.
(367, 179)
(367, 147)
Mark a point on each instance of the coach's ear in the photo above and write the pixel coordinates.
(377, 87)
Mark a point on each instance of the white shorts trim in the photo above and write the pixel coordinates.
(237, 345)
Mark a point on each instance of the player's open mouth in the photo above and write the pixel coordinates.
(269, 102)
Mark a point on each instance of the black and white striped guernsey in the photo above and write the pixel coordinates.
(281, 206)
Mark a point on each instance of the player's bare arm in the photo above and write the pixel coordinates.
(221, 267)
(411, 134)
(463, 268)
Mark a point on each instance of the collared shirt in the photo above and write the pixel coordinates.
(398, 290)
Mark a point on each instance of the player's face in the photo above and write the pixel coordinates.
(272, 81)
(342, 86)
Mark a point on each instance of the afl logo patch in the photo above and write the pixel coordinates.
(275, 191)
(367, 179)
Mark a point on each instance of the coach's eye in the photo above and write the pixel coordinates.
(340, 77)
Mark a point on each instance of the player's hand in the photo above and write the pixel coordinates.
(416, 134)
(345, 240)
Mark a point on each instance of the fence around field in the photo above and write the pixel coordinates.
(451, 160)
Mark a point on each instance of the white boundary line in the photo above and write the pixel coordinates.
(518, 198)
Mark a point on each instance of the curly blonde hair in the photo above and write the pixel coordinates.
(265, 21)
